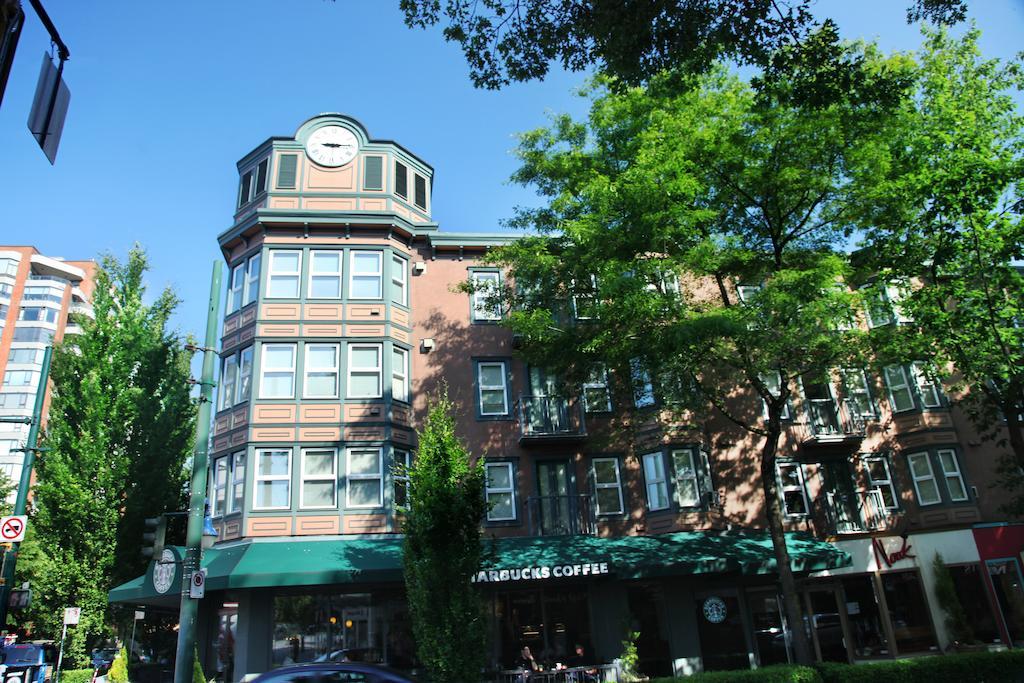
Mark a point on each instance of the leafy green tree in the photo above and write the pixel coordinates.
(717, 186)
(506, 41)
(120, 429)
(443, 551)
(950, 228)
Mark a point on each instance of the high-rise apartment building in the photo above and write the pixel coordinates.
(38, 297)
(609, 513)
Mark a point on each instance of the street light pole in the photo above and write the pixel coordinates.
(29, 461)
(197, 493)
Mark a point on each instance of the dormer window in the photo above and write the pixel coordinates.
(254, 182)
(421, 192)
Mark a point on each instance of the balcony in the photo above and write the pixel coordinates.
(549, 419)
(828, 424)
(561, 515)
(855, 512)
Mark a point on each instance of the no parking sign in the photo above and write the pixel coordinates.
(197, 586)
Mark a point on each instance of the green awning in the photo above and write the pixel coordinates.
(257, 563)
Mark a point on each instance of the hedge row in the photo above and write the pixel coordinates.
(975, 667)
(76, 676)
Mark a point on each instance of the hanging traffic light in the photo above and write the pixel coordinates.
(153, 537)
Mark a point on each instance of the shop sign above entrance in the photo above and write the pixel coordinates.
(558, 571)
(889, 558)
(714, 609)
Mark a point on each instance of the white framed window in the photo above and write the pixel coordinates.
(319, 485)
(951, 474)
(236, 288)
(365, 275)
(219, 488)
(880, 479)
(773, 382)
(21, 378)
(325, 274)
(879, 308)
(858, 393)
(492, 388)
(656, 482)
(485, 289)
(237, 499)
(273, 481)
(14, 401)
(283, 276)
(500, 491)
(8, 266)
(25, 356)
(244, 386)
(747, 292)
(927, 388)
(643, 388)
(228, 381)
(924, 479)
(399, 374)
(400, 478)
(38, 314)
(277, 371)
(584, 298)
(399, 280)
(364, 371)
(791, 487)
(900, 395)
(597, 397)
(365, 478)
(252, 280)
(607, 486)
(321, 371)
(687, 481)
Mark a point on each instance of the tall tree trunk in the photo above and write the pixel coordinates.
(802, 651)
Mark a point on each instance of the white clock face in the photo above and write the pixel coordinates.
(332, 146)
(163, 572)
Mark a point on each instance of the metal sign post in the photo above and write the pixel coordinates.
(187, 616)
(71, 616)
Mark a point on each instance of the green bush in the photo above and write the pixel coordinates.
(76, 676)
(197, 669)
(119, 669)
(783, 673)
(975, 667)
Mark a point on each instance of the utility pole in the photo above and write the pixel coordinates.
(197, 493)
(29, 461)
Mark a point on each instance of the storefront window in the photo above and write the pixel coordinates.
(828, 627)
(865, 618)
(550, 622)
(723, 645)
(970, 588)
(766, 617)
(342, 627)
(1010, 595)
(908, 611)
(648, 616)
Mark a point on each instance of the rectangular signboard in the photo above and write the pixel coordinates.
(49, 108)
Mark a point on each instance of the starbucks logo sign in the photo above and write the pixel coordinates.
(163, 572)
(714, 609)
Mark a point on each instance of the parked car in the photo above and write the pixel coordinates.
(27, 662)
(103, 657)
(340, 672)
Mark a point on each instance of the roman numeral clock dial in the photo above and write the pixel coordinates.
(332, 146)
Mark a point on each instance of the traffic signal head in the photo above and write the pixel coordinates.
(153, 537)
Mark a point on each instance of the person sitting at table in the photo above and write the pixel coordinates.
(578, 660)
(526, 660)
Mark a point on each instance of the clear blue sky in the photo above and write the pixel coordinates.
(167, 96)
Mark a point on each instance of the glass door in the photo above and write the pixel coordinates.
(554, 489)
(842, 501)
(826, 624)
(769, 627)
(548, 410)
(821, 405)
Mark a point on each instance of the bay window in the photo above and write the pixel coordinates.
(319, 479)
(365, 275)
(321, 371)
(656, 482)
(364, 371)
(273, 479)
(365, 477)
(277, 368)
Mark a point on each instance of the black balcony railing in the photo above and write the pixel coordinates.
(549, 418)
(827, 422)
(561, 515)
(855, 512)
